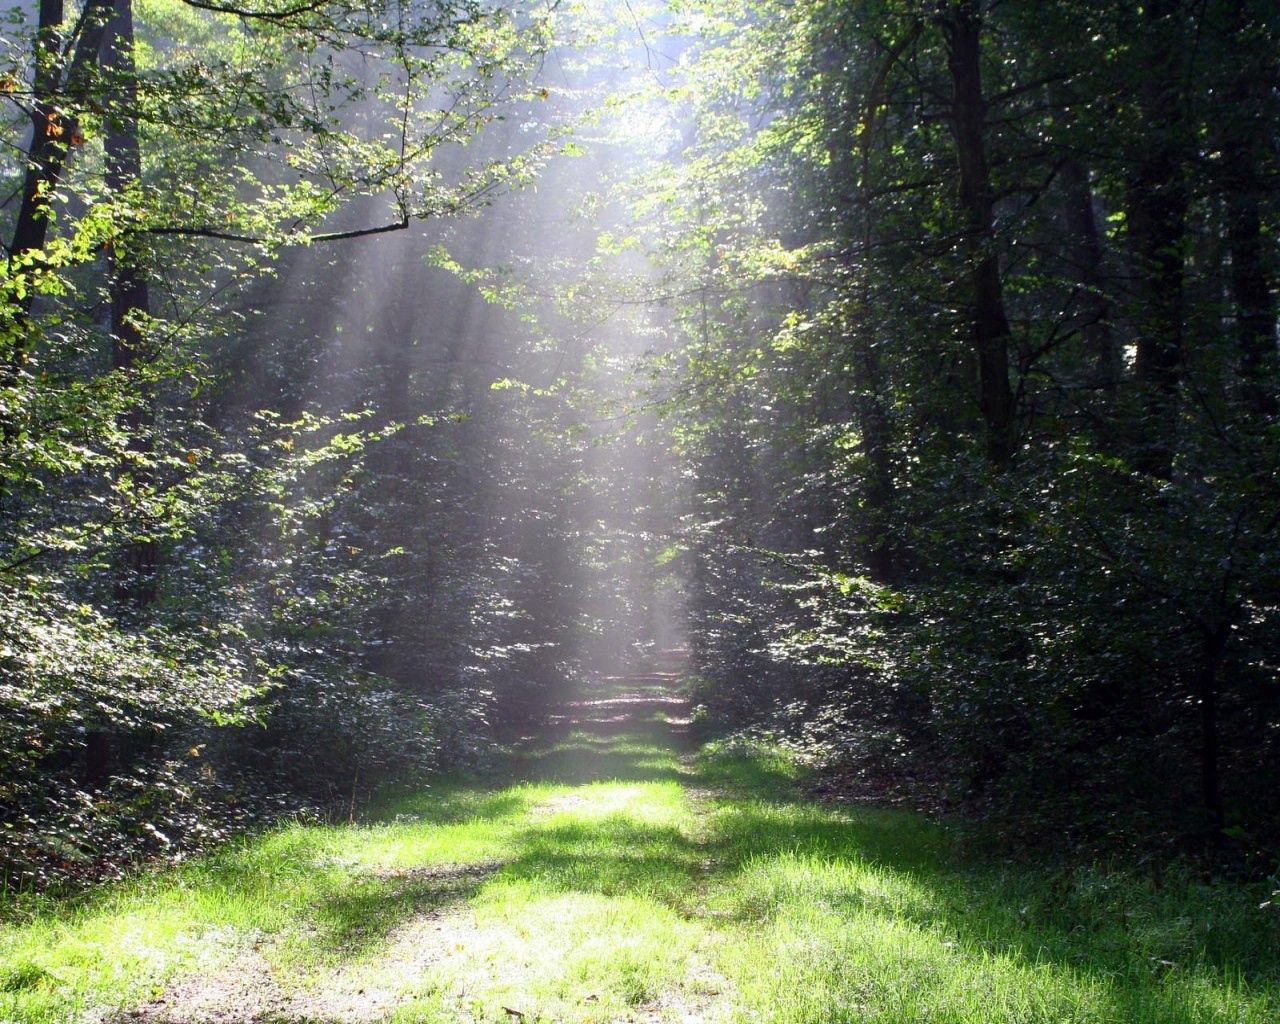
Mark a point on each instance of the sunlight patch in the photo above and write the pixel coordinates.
(650, 802)
(576, 956)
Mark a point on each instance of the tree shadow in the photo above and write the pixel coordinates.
(1113, 931)
(361, 914)
(612, 856)
(573, 764)
(620, 730)
(449, 805)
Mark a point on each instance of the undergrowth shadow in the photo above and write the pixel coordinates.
(360, 916)
(1115, 931)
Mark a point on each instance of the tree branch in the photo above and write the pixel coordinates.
(231, 236)
(258, 15)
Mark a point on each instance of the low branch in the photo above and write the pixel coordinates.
(231, 236)
(258, 15)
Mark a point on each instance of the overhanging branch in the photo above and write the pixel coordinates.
(232, 236)
(258, 14)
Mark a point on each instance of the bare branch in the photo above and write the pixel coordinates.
(258, 14)
(231, 236)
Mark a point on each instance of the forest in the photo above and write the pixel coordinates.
(645, 511)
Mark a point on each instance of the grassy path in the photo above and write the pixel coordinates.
(622, 879)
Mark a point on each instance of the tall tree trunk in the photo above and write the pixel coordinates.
(1157, 200)
(1207, 691)
(989, 326)
(882, 550)
(46, 151)
(53, 130)
(405, 615)
(1255, 308)
(1086, 259)
(55, 86)
(1243, 147)
(130, 293)
(136, 563)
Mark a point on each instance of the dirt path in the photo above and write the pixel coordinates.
(612, 876)
(600, 756)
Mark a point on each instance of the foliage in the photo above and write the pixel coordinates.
(182, 604)
(975, 396)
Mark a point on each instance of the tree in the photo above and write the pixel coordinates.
(998, 243)
(177, 152)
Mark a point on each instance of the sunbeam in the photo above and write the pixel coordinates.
(639, 512)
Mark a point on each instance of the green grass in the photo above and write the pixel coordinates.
(616, 880)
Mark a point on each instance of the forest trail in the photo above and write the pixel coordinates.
(619, 876)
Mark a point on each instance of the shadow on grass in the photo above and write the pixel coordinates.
(1154, 954)
(360, 915)
(619, 736)
(612, 855)
(761, 852)
(615, 856)
(573, 764)
(452, 804)
(1159, 954)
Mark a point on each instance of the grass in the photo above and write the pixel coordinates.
(616, 880)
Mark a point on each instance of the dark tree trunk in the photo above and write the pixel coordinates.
(136, 563)
(47, 149)
(53, 130)
(882, 550)
(1086, 259)
(99, 755)
(884, 554)
(130, 293)
(1207, 692)
(1255, 308)
(1157, 199)
(962, 24)
(1244, 148)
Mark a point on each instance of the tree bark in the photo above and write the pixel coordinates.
(989, 326)
(1255, 308)
(47, 149)
(130, 292)
(1210, 745)
(1086, 259)
(1243, 146)
(1157, 200)
(882, 550)
(53, 129)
